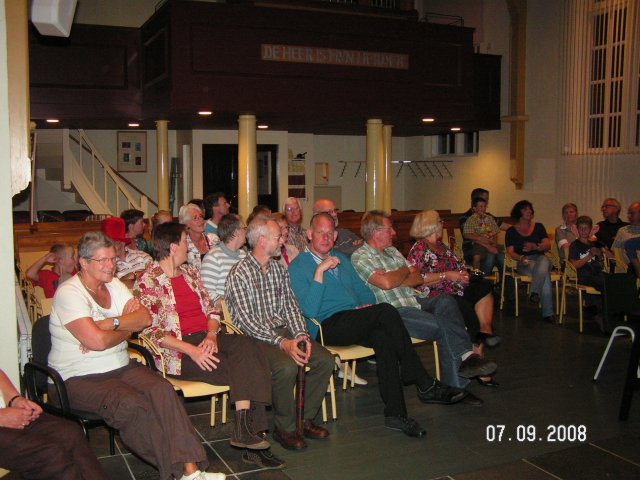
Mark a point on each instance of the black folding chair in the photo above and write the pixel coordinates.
(37, 372)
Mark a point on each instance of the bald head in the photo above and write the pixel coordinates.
(633, 213)
(324, 205)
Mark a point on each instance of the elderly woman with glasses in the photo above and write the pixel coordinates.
(199, 243)
(186, 328)
(92, 316)
(444, 274)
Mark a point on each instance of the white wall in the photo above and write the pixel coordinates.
(8, 325)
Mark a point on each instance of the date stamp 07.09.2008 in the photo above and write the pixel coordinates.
(530, 433)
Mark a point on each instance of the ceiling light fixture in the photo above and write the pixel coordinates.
(428, 119)
(455, 129)
(205, 113)
(263, 127)
(133, 125)
(53, 120)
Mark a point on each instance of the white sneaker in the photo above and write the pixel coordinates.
(198, 475)
(359, 380)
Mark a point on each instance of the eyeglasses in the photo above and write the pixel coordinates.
(332, 211)
(103, 261)
(608, 206)
(292, 209)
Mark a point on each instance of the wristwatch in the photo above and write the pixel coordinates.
(116, 323)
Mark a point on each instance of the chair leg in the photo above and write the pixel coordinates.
(353, 374)
(345, 366)
(515, 283)
(225, 396)
(436, 356)
(324, 410)
(212, 420)
(563, 306)
(557, 299)
(112, 440)
(334, 408)
(502, 292)
(617, 332)
(580, 307)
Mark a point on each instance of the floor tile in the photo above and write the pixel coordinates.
(586, 463)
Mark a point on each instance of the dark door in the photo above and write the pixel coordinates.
(220, 173)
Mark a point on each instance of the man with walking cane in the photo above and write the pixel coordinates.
(262, 305)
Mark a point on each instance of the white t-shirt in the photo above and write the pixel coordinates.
(71, 302)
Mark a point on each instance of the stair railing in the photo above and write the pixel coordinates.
(84, 167)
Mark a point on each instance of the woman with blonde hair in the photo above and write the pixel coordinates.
(198, 242)
(444, 274)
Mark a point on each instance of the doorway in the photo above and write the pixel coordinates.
(220, 173)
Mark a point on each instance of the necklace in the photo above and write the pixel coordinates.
(86, 286)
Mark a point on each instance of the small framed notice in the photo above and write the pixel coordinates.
(132, 151)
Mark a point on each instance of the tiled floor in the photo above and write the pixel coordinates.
(546, 381)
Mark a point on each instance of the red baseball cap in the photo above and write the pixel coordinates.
(113, 227)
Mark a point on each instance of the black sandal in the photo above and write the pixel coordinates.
(488, 383)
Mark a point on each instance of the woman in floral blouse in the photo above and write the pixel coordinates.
(186, 328)
(444, 274)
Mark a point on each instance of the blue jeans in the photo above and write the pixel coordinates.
(440, 319)
(538, 269)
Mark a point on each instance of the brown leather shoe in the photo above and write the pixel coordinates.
(311, 430)
(289, 440)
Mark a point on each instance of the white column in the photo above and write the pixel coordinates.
(247, 167)
(375, 167)
(162, 157)
(388, 157)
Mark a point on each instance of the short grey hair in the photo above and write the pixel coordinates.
(371, 221)
(92, 241)
(257, 228)
(183, 214)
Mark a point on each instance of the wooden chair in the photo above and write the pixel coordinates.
(228, 322)
(189, 388)
(348, 353)
(570, 279)
(436, 355)
(457, 243)
(510, 270)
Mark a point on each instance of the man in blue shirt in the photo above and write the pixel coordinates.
(328, 289)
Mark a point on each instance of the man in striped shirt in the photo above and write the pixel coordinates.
(219, 261)
(262, 305)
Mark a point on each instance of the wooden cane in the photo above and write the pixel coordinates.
(300, 380)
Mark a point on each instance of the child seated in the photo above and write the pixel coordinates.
(64, 262)
(585, 255)
(482, 230)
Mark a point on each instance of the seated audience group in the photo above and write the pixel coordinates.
(274, 275)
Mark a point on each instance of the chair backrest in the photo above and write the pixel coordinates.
(621, 265)
(620, 295)
(40, 348)
(225, 312)
(155, 351)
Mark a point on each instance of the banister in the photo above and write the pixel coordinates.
(122, 185)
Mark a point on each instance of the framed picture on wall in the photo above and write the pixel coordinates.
(132, 151)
